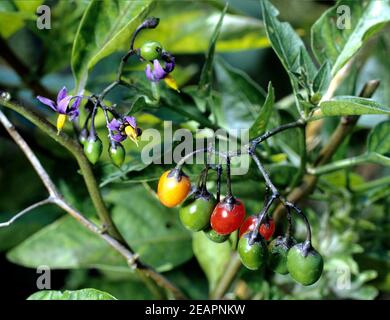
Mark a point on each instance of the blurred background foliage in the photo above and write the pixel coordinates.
(349, 210)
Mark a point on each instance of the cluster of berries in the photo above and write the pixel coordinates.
(220, 218)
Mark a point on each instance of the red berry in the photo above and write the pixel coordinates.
(266, 229)
(248, 225)
(227, 218)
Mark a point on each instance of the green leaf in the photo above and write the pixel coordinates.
(212, 257)
(286, 42)
(379, 139)
(13, 15)
(194, 23)
(329, 41)
(65, 244)
(83, 294)
(106, 27)
(261, 122)
(348, 105)
(241, 98)
(153, 230)
(207, 70)
(65, 18)
(322, 78)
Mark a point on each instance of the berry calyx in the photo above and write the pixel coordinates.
(304, 263)
(93, 148)
(228, 216)
(253, 256)
(277, 252)
(196, 215)
(151, 50)
(173, 187)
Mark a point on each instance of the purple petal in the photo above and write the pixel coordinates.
(169, 66)
(148, 72)
(131, 121)
(158, 71)
(114, 125)
(63, 105)
(74, 114)
(61, 95)
(47, 102)
(76, 103)
(118, 137)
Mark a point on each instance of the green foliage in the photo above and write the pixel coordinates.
(15, 13)
(84, 294)
(348, 211)
(359, 21)
(212, 257)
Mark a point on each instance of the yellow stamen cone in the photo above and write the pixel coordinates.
(60, 122)
(132, 134)
(171, 83)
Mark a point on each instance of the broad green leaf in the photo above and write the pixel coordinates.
(379, 139)
(342, 30)
(65, 244)
(207, 70)
(65, 18)
(261, 122)
(83, 294)
(322, 78)
(13, 15)
(153, 230)
(286, 42)
(212, 257)
(348, 105)
(241, 98)
(187, 27)
(106, 27)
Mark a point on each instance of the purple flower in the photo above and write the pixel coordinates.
(61, 106)
(160, 72)
(123, 128)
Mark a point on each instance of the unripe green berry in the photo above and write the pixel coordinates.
(216, 237)
(93, 148)
(151, 50)
(316, 98)
(83, 136)
(277, 254)
(253, 256)
(117, 154)
(304, 263)
(196, 215)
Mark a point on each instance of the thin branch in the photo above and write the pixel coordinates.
(143, 271)
(26, 210)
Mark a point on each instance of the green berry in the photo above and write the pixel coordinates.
(117, 154)
(93, 148)
(216, 237)
(316, 98)
(253, 256)
(196, 216)
(278, 250)
(304, 263)
(151, 50)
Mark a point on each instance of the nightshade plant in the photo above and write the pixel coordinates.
(302, 150)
